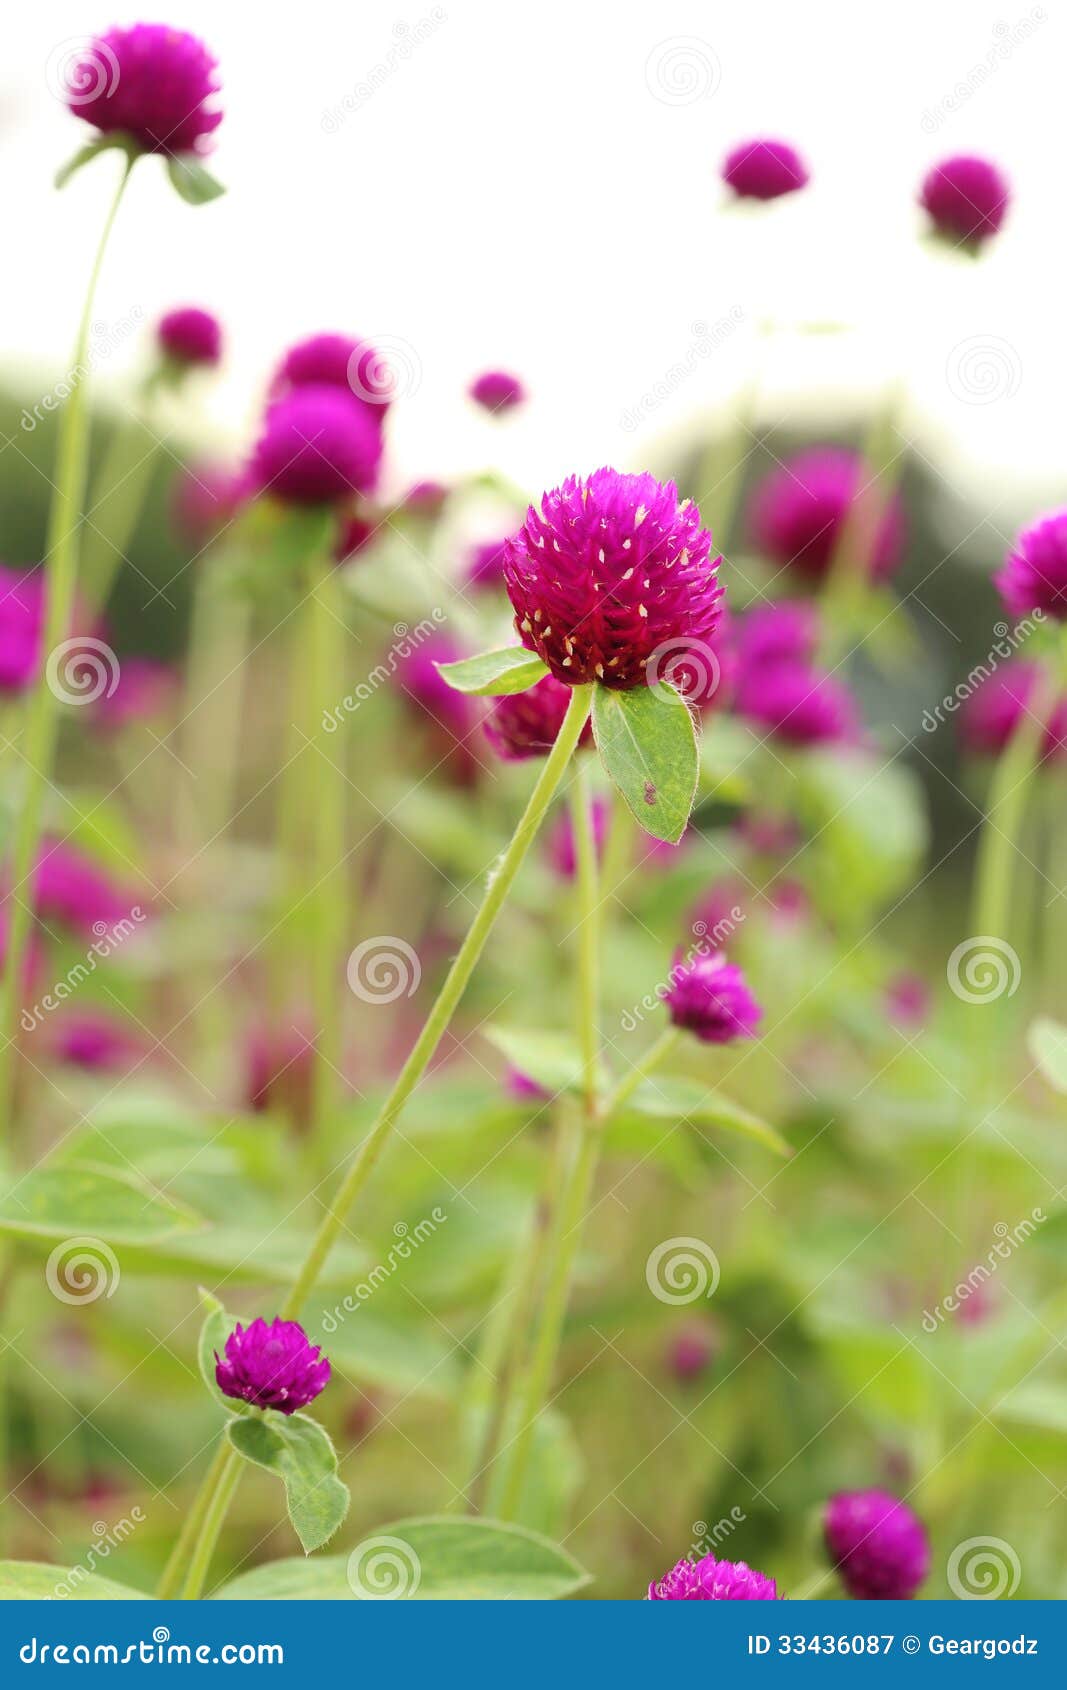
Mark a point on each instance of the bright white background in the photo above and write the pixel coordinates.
(536, 187)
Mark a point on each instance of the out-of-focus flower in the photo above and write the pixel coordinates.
(799, 704)
(966, 199)
(773, 633)
(611, 579)
(710, 997)
(524, 1090)
(998, 706)
(877, 1544)
(279, 1063)
(73, 891)
(354, 367)
(525, 724)
(485, 564)
(190, 335)
(151, 82)
(96, 1040)
(317, 446)
(497, 390)
(449, 719)
(144, 689)
(692, 1349)
(356, 533)
(708, 1580)
(561, 847)
(907, 1000)
(204, 499)
(21, 624)
(1035, 574)
(425, 498)
(274, 1366)
(764, 170)
(720, 911)
(799, 510)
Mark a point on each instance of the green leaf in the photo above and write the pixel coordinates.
(195, 184)
(868, 822)
(432, 1559)
(36, 1581)
(257, 1254)
(213, 1335)
(91, 150)
(299, 1451)
(647, 743)
(89, 1202)
(1047, 1042)
(495, 673)
(701, 1106)
(554, 1060)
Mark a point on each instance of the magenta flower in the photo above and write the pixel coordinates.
(877, 1544)
(449, 719)
(1035, 575)
(93, 1039)
(561, 847)
(73, 891)
(611, 578)
(425, 498)
(966, 198)
(151, 82)
(21, 624)
(764, 170)
(692, 1350)
(336, 360)
(522, 1089)
(144, 689)
(525, 724)
(485, 564)
(356, 533)
(279, 1064)
(798, 704)
(770, 633)
(497, 390)
(907, 1000)
(317, 445)
(710, 997)
(799, 509)
(273, 1366)
(189, 335)
(996, 708)
(708, 1580)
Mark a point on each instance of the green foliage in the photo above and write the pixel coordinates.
(299, 1452)
(495, 673)
(647, 743)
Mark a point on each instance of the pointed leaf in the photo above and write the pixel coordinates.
(647, 743)
(213, 1335)
(86, 154)
(553, 1060)
(81, 1200)
(685, 1100)
(494, 673)
(1047, 1041)
(195, 184)
(36, 1581)
(299, 1451)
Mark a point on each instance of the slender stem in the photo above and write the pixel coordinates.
(329, 898)
(61, 551)
(178, 1561)
(588, 934)
(118, 495)
(219, 1499)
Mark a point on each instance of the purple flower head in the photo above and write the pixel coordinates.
(1000, 703)
(21, 624)
(144, 689)
(449, 719)
(485, 564)
(71, 890)
(522, 1089)
(764, 170)
(279, 1062)
(907, 1000)
(93, 1039)
(1035, 575)
(708, 1580)
(189, 335)
(801, 705)
(561, 846)
(612, 578)
(877, 1544)
(710, 997)
(966, 198)
(799, 509)
(317, 445)
(692, 1350)
(525, 724)
(336, 360)
(152, 82)
(771, 633)
(497, 390)
(273, 1366)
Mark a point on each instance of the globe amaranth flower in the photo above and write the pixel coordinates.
(966, 199)
(710, 997)
(1035, 574)
(144, 689)
(151, 82)
(561, 847)
(764, 170)
(97, 1041)
(71, 890)
(497, 390)
(525, 724)
(612, 578)
(907, 1000)
(522, 1089)
(878, 1545)
(692, 1350)
(485, 564)
(189, 335)
(279, 1067)
(317, 446)
(708, 1580)
(787, 629)
(274, 1366)
(798, 704)
(999, 705)
(352, 366)
(21, 626)
(799, 510)
(449, 720)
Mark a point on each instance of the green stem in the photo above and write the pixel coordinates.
(588, 934)
(225, 1474)
(641, 1071)
(329, 899)
(178, 1561)
(120, 488)
(61, 551)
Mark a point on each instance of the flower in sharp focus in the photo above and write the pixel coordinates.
(525, 724)
(764, 170)
(497, 390)
(609, 573)
(710, 997)
(799, 510)
(352, 366)
(317, 445)
(274, 1366)
(561, 846)
(798, 704)
(999, 705)
(189, 335)
(877, 1544)
(966, 199)
(151, 82)
(708, 1580)
(1035, 574)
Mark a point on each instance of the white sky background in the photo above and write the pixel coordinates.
(519, 192)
